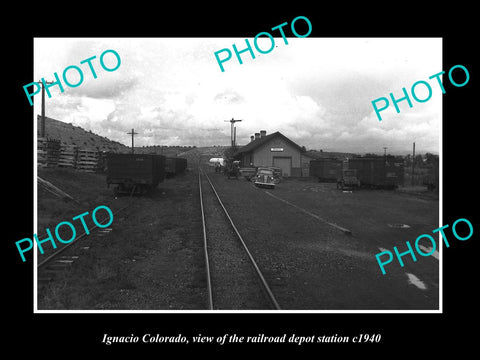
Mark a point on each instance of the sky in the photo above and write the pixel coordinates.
(316, 91)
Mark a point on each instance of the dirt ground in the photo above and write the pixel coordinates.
(313, 265)
(152, 259)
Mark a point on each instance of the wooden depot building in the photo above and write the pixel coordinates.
(272, 150)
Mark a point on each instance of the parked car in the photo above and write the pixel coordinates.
(264, 178)
(277, 173)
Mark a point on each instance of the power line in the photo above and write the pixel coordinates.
(232, 131)
(133, 133)
(42, 122)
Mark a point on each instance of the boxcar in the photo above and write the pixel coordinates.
(174, 166)
(137, 173)
(326, 170)
(378, 172)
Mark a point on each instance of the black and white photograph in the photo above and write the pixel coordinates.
(264, 186)
(295, 181)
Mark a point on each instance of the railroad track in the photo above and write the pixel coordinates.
(51, 264)
(234, 280)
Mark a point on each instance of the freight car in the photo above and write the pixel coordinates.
(134, 173)
(174, 166)
(326, 169)
(385, 172)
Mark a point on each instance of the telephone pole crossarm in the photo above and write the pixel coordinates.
(232, 131)
(133, 133)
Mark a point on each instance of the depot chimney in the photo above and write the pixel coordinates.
(263, 133)
(252, 138)
(257, 136)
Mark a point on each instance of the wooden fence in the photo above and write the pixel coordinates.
(50, 153)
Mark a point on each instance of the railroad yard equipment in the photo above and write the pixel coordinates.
(217, 163)
(174, 166)
(232, 168)
(348, 179)
(213, 162)
(326, 169)
(386, 172)
(134, 173)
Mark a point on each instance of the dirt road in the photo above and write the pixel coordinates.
(152, 259)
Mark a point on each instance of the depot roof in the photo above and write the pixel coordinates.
(252, 145)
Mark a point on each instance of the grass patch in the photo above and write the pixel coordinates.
(89, 190)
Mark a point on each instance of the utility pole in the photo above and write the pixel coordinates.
(232, 131)
(42, 122)
(133, 133)
(413, 162)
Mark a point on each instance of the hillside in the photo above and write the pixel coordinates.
(314, 154)
(69, 134)
(202, 154)
(171, 151)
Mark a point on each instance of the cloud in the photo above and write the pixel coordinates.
(108, 88)
(317, 92)
(228, 97)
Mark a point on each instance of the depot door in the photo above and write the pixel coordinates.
(285, 163)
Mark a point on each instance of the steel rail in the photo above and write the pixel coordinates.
(205, 247)
(264, 283)
(58, 252)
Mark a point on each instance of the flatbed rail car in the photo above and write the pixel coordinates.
(326, 169)
(386, 172)
(174, 166)
(137, 173)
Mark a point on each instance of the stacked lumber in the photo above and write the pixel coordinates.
(68, 156)
(102, 162)
(87, 160)
(41, 154)
(48, 152)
